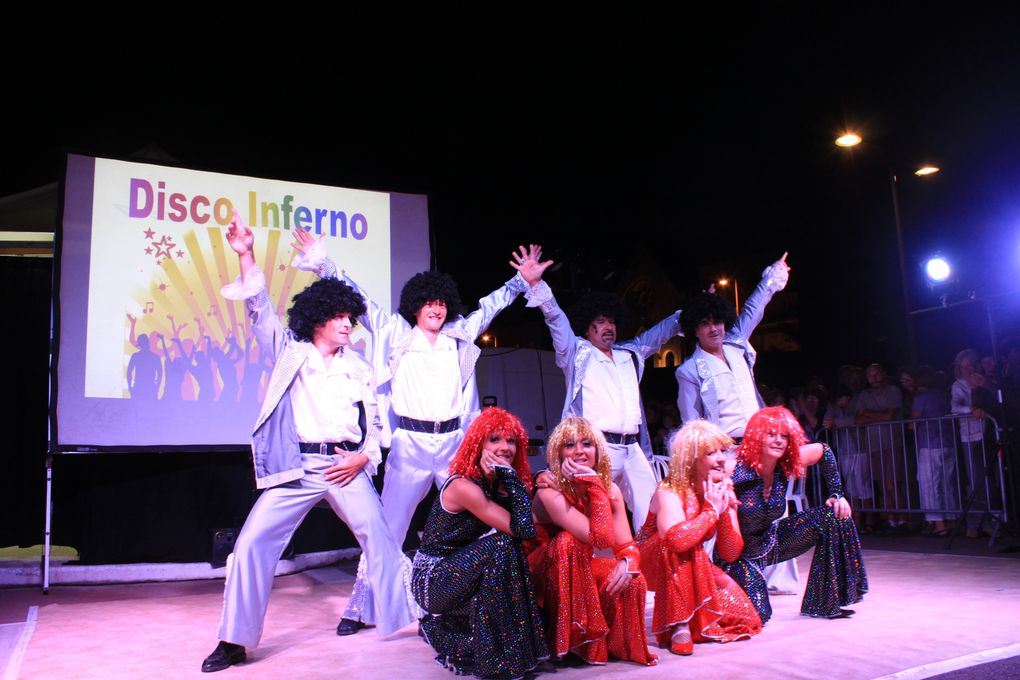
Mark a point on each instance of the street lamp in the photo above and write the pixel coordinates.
(850, 139)
(736, 292)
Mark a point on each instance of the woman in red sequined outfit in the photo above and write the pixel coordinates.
(585, 566)
(694, 600)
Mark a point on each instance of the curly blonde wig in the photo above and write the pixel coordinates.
(686, 447)
(575, 428)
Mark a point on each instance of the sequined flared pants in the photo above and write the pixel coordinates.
(837, 577)
(482, 617)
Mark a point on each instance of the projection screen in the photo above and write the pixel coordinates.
(149, 354)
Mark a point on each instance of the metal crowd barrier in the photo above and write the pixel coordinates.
(930, 466)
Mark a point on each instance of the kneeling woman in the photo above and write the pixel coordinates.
(694, 600)
(773, 451)
(594, 605)
(482, 618)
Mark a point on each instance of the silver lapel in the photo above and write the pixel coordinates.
(468, 352)
(287, 365)
(584, 349)
(709, 400)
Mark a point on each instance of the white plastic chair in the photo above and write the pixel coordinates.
(783, 578)
(660, 467)
(796, 493)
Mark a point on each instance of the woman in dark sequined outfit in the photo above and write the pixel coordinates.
(773, 450)
(482, 618)
(594, 603)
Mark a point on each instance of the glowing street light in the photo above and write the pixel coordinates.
(848, 139)
(736, 292)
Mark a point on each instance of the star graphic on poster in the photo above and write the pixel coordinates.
(148, 251)
(164, 247)
(180, 254)
(163, 286)
(283, 267)
(149, 233)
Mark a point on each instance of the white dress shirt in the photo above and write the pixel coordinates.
(734, 388)
(609, 392)
(427, 383)
(324, 399)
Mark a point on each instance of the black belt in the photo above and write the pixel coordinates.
(620, 439)
(326, 448)
(430, 426)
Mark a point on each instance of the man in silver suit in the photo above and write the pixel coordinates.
(424, 359)
(316, 437)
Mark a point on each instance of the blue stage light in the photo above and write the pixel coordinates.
(937, 269)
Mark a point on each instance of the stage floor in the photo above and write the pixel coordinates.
(926, 614)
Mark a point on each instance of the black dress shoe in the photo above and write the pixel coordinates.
(225, 655)
(348, 627)
(843, 614)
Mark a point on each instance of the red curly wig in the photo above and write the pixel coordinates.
(492, 421)
(773, 419)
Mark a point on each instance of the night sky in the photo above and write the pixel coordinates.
(697, 141)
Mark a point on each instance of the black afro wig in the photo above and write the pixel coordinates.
(426, 287)
(321, 301)
(705, 306)
(594, 305)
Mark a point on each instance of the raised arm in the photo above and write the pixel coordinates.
(648, 343)
(175, 328)
(180, 347)
(252, 288)
(313, 258)
(241, 241)
(162, 342)
(563, 338)
(133, 339)
(529, 274)
(773, 280)
(235, 352)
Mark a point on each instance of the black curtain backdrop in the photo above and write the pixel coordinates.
(26, 290)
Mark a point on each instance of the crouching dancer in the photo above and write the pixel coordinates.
(316, 437)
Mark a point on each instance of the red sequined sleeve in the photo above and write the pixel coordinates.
(683, 536)
(628, 551)
(729, 542)
(600, 512)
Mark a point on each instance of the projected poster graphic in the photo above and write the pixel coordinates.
(161, 358)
